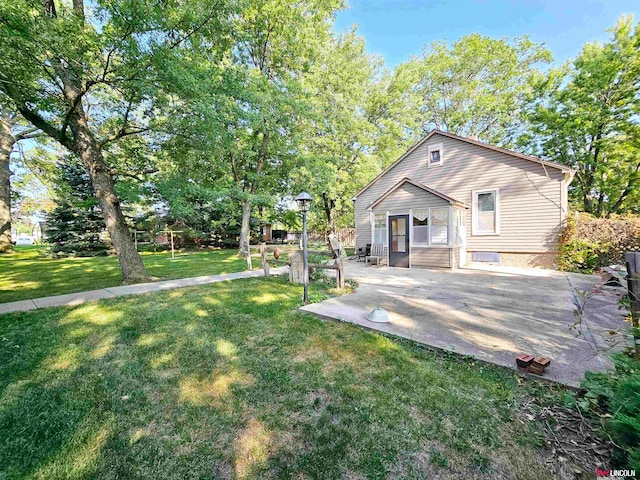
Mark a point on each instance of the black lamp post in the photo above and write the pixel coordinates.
(304, 203)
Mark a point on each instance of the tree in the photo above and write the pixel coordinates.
(11, 132)
(475, 87)
(87, 80)
(245, 112)
(338, 144)
(76, 224)
(278, 42)
(586, 116)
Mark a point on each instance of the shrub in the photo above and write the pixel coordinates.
(589, 243)
(618, 394)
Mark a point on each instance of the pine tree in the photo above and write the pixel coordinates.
(76, 225)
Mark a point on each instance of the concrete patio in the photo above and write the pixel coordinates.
(490, 313)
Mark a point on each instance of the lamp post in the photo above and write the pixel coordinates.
(304, 203)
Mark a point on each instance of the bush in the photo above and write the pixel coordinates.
(589, 243)
(618, 394)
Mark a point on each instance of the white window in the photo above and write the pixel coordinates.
(421, 227)
(434, 153)
(431, 227)
(486, 212)
(439, 226)
(380, 228)
(459, 230)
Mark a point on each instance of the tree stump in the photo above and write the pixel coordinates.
(296, 271)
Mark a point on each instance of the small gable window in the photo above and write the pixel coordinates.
(434, 153)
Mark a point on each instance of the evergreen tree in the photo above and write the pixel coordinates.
(76, 225)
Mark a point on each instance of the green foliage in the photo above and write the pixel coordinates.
(208, 215)
(578, 255)
(618, 394)
(585, 115)
(248, 105)
(589, 243)
(474, 87)
(339, 148)
(76, 225)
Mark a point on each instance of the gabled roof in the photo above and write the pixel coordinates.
(511, 153)
(447, 198)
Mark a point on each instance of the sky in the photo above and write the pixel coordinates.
(397, 29)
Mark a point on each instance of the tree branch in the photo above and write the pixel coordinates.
(627, 190)
(120, 134)
(134, 175)
(262, 156)
(72, 109)
(27, 134)
(33, 117)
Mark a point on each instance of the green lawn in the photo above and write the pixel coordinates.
(26, 274)
(229, 380)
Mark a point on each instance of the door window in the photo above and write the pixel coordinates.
(399, 235)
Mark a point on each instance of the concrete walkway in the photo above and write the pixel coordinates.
(73, 299)
(492, 314)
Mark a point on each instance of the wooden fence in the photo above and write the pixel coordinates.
(346, 236)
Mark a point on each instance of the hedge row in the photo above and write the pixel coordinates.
(589, 243)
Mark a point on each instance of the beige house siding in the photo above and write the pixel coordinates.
(406, 197)
(532, 196)
(431, 257)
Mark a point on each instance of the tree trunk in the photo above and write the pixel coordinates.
(133, 269)
(7, 141)
(245, 229)
(329, 205)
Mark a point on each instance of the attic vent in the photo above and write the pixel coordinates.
(485, 257)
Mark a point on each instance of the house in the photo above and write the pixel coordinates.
(451, 200)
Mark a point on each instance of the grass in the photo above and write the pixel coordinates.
(27, 274)
(230, 380)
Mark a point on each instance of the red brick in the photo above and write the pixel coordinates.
(541, 362)
(524, 360)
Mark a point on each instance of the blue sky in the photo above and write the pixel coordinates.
(397, 29)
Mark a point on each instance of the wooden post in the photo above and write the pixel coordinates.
(633, 286)
(265, 263)
(135, 238)
(173, 255)
(336, 248)
(249, 265)
(340, 272)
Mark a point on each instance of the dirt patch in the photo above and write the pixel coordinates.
(571, 446)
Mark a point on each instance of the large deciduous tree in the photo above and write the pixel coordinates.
(587, 116)
(339, 143)
(278, 41)
(84, 77)
(474, 87)
(242, 134)
(12, 130)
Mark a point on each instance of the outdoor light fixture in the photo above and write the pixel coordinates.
(304, 203)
